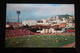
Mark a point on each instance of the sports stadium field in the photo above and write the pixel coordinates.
(33, 41)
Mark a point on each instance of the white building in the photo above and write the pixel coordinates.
(64, 20)
(29, 22)
(58, 21)
(70, 25)
(70, 19)
(44, 22)
(51, 30)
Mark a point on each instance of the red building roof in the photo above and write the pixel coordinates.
(44, 26)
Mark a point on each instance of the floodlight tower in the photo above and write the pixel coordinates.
(18, 12)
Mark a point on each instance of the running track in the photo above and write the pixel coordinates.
(68, 45)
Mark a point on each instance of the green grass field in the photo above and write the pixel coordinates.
(39, 41)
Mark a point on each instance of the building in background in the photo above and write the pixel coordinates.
(62, 25)
(14, 24)
(43, 22)
(70, 25)
(29, 22)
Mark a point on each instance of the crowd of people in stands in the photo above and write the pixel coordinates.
(18, 32)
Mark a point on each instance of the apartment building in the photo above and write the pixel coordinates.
(29, 22)
(70, 25)
(43, 22)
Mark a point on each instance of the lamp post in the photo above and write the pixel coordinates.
(18, 12)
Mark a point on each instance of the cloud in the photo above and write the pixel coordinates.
(42, 8)
(33, 11)
(24, 6)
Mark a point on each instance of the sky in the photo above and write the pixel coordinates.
(36, 11)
